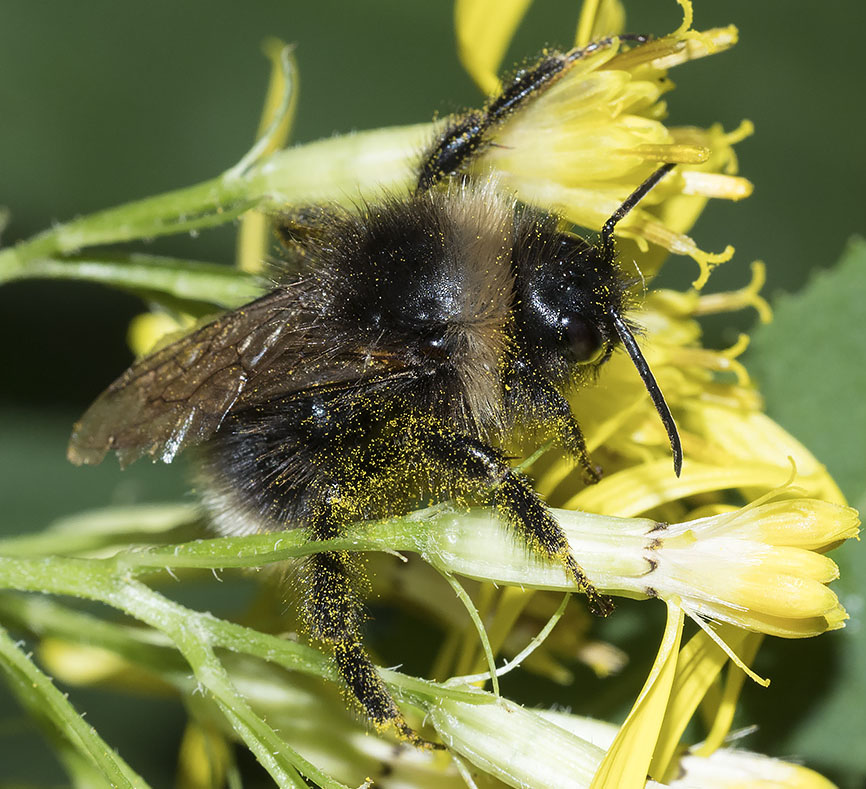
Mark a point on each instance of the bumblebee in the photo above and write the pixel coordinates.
(417, 334)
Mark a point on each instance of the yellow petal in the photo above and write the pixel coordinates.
(801, 523)
(204, 757)
(627, 761)
(698, 665)
(776, 594)
(484, 30)
(641, 488)
(753, 436)
(727, 705)
(599, 19)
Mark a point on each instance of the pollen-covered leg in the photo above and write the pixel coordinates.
(361, 677)
(570, 437)
(333, 611)
(515, 497)
(466, 135)
(551, 411)
(474, 462)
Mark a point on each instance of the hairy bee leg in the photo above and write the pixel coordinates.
(551, 408)
(472, 461)
(362, 678)
(333, 610)
(465, 135)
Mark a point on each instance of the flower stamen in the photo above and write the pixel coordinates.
(720, 642)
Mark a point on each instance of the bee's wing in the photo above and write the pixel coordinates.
(178, 396)
(316, 363)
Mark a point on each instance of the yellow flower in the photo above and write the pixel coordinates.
(555, 750)
(580, 148)
(732, 769)
(759, 567)
(727, 768)
(587, 142)
(729, 443)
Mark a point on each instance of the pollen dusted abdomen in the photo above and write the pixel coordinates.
(419, 333)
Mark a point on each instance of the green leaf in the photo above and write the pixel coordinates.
(809, 364)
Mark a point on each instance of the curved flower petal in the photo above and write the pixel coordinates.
(627, 761)
(484, 29)
(599, 18)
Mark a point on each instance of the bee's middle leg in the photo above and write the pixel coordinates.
(471, 461)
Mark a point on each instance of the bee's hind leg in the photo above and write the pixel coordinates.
(332, 608)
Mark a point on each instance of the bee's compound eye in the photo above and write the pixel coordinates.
(584, 340)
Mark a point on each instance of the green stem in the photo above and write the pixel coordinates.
(464, 598)
(48, 704)
(406, 534)
(186, 280)
(189, 631)
(208, 204)
(46, 617)
(194, 643)
(342, 169)
(96, 579)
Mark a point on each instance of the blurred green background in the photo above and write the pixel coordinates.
(102, 102)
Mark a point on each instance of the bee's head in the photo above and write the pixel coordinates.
(570, 298)
(566, 294)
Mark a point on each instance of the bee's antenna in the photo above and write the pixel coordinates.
(652, 387)
(630, 202)
(622, 328)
